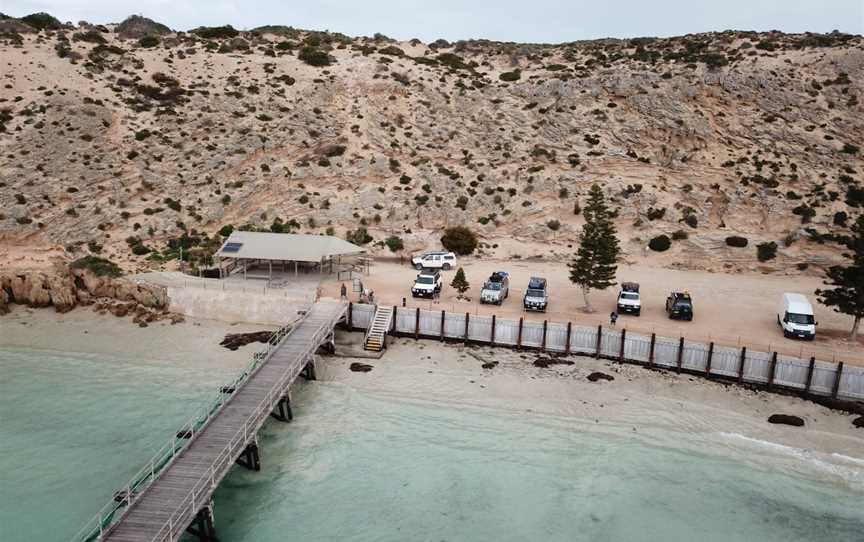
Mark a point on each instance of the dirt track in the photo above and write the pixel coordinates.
(730, 309)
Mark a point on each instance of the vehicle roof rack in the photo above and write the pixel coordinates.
(630, 286)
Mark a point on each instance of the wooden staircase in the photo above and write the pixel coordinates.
(378, 329)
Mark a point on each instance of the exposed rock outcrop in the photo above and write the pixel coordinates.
(360, 367)
(233, 341)
(65, 289)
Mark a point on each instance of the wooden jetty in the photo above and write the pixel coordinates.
(173, 493)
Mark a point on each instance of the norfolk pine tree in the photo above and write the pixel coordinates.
(460, 283)
(595, 263)
(847, 296)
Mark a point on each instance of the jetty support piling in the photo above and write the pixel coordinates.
(283, 411)
(250, 457)
(202, 526)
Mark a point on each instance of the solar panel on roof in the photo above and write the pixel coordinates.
(232, 247)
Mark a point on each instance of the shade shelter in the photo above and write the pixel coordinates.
(257, 254)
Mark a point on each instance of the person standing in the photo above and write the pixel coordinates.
(344, 292)
(613, 317)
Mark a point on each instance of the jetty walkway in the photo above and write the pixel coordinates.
(173, 493)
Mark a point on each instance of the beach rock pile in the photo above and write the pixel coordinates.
(595, 376)
(858, 422)
(360, 367)
(786, 419)
(546, 362)
(233, 341)
(64, 289)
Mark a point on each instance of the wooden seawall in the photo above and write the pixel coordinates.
(178, 493)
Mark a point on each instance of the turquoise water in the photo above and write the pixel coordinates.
(75, 427)
(366, 465)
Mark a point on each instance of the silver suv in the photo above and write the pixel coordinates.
(496, 289)
(536, 296)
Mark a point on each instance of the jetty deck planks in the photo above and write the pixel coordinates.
(168, 494)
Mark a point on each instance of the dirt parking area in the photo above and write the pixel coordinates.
(730, 309)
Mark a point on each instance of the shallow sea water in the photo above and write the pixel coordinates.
(366, 465)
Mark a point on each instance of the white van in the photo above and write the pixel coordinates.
(795, 317)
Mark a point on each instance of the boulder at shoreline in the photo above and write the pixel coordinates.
(786, 419)
(595, 376)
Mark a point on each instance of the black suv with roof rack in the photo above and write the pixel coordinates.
(679, 306)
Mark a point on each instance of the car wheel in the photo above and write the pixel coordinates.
(446, 267)
(418, 267)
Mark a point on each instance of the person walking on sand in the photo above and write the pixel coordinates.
(613, 317)
(344, 292)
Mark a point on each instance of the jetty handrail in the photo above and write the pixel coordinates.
(209, 480)
(108, 514)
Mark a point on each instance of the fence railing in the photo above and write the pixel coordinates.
(206, 484)
(123, 499)
(768, 368)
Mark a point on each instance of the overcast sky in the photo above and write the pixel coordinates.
(547, 21)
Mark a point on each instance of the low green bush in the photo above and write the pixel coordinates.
(661, 243)
(515, 75)
(314, 57)
(766, 251)
(98, 266)
(459, 239)
(394, 243)
(736, 241)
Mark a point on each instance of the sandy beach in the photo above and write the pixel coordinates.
(637, 397)
(193, 343)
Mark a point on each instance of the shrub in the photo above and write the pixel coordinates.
(840, 218)
(553, 225)
(148, 41)
(140, 249)
(849, 148)
(460, 240)
(691, 221)
(391, 50)
(141, 135)
(661, 243)
(360, 236)
(216, 32)
(736, 241)
(679, 235)
(855, 196)
(394, 243)
(90, 36)
(515, 75)
(226, 230)
(314, 57)
(766, 251)
(98, 266)
(656, 214)
(42, 21)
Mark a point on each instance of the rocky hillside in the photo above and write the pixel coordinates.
(130, 140)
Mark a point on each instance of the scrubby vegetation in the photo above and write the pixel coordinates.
(661, 243)
(98, 266)
(766, 251)
(459, 239)
(736, 241)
